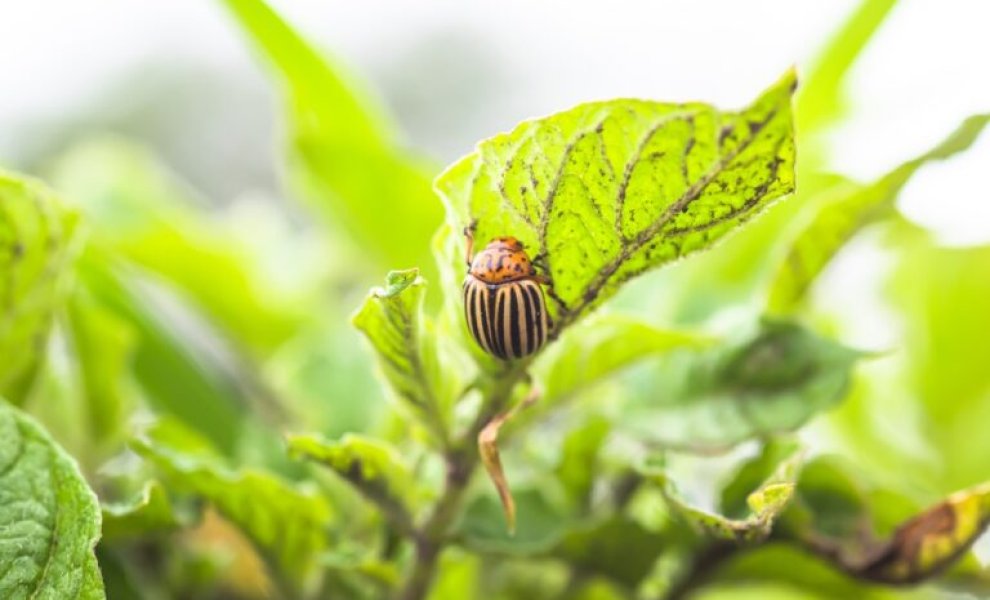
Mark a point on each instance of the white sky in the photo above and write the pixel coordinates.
(926, 70)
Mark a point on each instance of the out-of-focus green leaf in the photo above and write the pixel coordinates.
(732, 272)
(942, 295)
(38, 243)
(607, 190)
(579, 459)
(753, 473)
(820, 101)
(374, 468)
(617, 548)
(150, 512)
(287, 523)
(174, 370)
(539, 526)
(343, 153)
(859, 206)
(457, 576)
(792, 573)
(392, 320)
(140, 211)
(829, 502)
(711, 400)
(601, 347)
(103, 345)
(49, 518)
(765, 504)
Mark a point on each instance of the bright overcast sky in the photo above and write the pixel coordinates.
(925, 71)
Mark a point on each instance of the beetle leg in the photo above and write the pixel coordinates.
(469, 238)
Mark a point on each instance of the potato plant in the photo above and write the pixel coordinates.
(191, 412)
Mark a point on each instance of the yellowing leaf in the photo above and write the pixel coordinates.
(931, 541)
(607, 190)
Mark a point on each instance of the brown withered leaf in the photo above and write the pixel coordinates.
(490, 457)
(933, 540)
(920, 548)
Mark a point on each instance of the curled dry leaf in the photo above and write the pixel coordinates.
(488, 449)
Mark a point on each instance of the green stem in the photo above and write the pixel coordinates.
(462, 461)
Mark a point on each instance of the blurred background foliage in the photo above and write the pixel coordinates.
(213, 322)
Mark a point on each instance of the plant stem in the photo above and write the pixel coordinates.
(702, 568)
(462, 461)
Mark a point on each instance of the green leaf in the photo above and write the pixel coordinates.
(139, 210)
(103, 346)
(617, 548)
(603, 346)
(607, 190)
(765, 503)
(150, 512)
(829, 502)
(392, 320)
(176, 370)
(343, 154)
(374, 468)
(854, 208)
(579, 459)
(49, 518)
(750, 475)
(539, 527)
(38, 243)
(820, 100)
(287, 523)
(946, 327)
(794, 573)
(711, 400)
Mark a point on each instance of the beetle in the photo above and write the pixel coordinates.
(504, 304)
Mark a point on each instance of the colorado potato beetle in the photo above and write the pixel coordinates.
(503, 301)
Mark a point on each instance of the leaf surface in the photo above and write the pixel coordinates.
(391, 318)
(852, 209)
(770, 382)
(374, 468)
(765, 503)
(49, 518)
(344, 155)
(287, 523)
(38, 244)
(150, 512)
(604, 191)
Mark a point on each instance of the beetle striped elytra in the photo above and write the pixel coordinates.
(504, 304)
